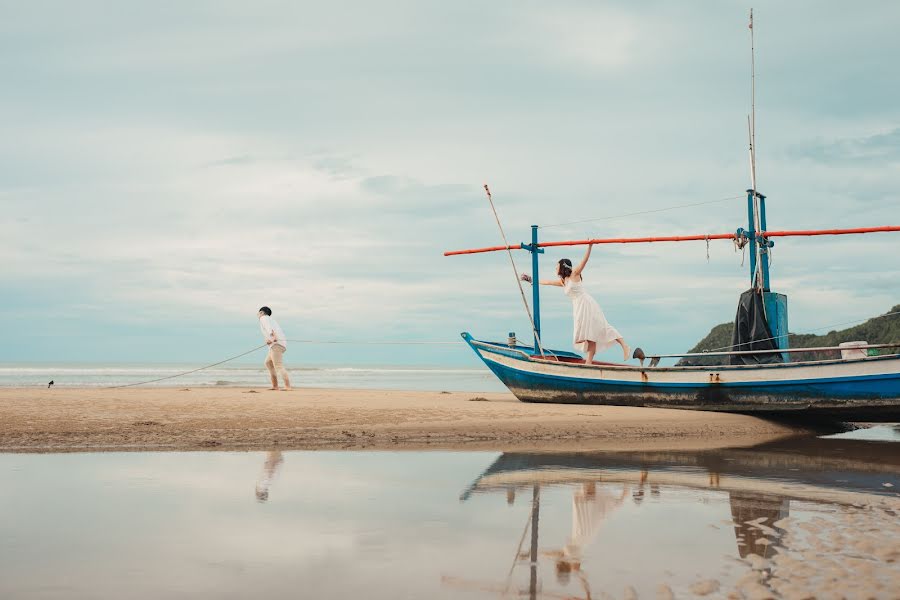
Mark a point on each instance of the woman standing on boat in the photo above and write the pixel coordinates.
(592, 332)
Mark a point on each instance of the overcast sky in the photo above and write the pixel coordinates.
(167, 168)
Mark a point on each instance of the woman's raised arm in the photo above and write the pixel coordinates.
(577, 270)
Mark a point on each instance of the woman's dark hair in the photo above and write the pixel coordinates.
(565, 268)
(267, 310)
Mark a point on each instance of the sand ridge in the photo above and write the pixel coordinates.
(85, 419)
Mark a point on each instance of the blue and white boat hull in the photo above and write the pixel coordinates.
(856, 389)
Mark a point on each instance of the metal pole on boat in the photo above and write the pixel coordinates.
(764, 243)
(751, 235)
(752, 106)
(535, 288)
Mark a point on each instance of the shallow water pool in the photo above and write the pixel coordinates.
(809, 515)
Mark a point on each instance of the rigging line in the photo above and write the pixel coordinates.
(537, 337)
(729, 347)
(643, 212)
(518, 553)
(221, 362)
(377, 343)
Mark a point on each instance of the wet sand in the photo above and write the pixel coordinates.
(65, 420)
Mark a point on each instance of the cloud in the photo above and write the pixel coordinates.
(876, 149)
(167, 170)
(597, 38)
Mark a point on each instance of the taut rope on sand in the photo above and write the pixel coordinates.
(222, 362)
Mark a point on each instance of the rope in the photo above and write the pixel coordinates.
(376, 343)
(729, 347)
(221, 362)
(643, 212)
(537, 338)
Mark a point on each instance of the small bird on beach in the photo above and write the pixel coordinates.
(49, 384)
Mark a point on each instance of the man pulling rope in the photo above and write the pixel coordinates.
(277, 342)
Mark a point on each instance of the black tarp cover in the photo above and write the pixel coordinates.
(751, 332)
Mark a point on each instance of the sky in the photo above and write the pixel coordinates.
(168, 168)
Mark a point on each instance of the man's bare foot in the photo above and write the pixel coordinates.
(273, 389)
(287, 389)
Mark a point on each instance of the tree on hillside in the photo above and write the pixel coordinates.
(883, 329)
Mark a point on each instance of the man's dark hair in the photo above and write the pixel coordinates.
(266, 310)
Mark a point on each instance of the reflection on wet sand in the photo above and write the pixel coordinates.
(849, 486)
(750, 514)
(274, 459)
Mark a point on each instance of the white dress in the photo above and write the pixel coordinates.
(590, 322)
(589, 511)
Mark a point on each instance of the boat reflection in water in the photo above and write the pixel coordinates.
(837, 488)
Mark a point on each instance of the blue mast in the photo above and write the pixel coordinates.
(751, 235)
(535, 283)
(760, 248)
(764, 243)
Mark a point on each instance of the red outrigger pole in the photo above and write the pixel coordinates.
(756, 237)
(682, 238)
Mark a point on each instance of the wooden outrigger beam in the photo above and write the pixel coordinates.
(756, 237)
(681, 238)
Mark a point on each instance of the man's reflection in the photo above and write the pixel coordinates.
(638, 495)
(270, 469)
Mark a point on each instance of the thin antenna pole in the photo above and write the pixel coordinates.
(537, 337)
(752, 105)
(750, 140)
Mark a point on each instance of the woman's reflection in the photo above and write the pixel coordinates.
(270, 469)
(590, 508)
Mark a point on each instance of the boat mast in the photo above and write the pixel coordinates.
(752, 118)
(774, 305)
(756, 202)
(535, 287)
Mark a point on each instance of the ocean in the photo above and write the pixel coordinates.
(356, 377)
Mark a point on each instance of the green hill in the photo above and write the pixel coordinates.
(877, 330)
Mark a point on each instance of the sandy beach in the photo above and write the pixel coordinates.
(66, 420)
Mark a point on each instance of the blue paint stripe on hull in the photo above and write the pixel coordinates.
(886, 382)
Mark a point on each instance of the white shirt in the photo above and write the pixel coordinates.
(271, 330)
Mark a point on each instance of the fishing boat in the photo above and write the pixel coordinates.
(861, 385)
